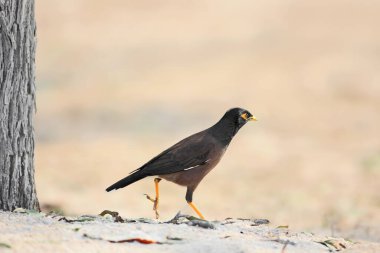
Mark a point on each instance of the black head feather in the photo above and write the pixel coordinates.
(226, 128)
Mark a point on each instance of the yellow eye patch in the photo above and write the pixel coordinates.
(244, 116)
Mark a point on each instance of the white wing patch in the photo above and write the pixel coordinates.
(197, 165)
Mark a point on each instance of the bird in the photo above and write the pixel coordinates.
(187, 162)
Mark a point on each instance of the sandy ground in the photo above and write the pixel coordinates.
(119, 82)
(38, 232)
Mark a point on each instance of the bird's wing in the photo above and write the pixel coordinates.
(186, 154)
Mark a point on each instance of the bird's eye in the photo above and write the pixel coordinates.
(244, 116)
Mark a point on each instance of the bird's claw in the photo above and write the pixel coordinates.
(155, 205)
(150, 198)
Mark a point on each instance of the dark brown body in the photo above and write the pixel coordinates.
(190, 160)
(192, 177)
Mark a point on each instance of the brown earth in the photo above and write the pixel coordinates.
(39, 232)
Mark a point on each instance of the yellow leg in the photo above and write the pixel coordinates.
(196, 210)
(156, 200)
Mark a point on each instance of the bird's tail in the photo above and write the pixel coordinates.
(126, 181)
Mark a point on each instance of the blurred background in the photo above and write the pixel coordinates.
(120, 81)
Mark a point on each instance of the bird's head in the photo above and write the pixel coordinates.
(239, 116)
(230, 123)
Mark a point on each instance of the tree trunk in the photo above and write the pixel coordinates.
(17, 104)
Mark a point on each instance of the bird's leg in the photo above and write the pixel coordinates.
(155, 205)
(196, 210)
(156, 200)
(189, 200)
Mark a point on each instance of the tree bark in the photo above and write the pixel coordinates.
(17, 104)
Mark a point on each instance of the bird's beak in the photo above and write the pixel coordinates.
(252, 118)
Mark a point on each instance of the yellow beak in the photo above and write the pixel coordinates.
(252, 118)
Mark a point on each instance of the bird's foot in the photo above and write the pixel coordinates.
(150, 198)
(155, 205)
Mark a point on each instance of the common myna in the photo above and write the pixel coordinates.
(188, 162)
